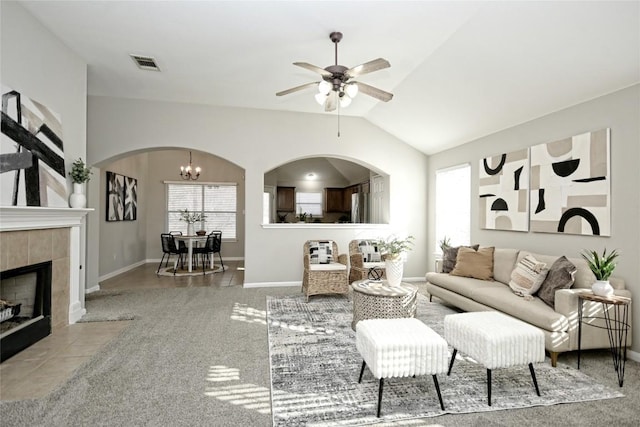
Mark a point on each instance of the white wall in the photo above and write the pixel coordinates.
(619, 111)
(258, 141)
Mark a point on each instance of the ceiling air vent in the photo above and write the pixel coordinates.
(145, 62)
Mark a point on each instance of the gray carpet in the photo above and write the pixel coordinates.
(315, 366)
(199, 357)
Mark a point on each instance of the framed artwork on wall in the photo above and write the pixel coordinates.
(115, 197)
(503, 190)
(571, 185)
(130, 198)
(32, 151)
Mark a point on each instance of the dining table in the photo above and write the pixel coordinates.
(189, 240)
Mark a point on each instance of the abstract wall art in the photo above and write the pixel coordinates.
(503, 190)
(570, 185)
(130, 198)
(32, 171)
(115, 197)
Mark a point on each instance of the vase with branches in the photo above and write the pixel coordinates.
(393, 250)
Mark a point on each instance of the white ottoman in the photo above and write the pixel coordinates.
(400, 348)
(494, 340)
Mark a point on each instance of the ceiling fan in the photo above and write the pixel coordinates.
(336, 86)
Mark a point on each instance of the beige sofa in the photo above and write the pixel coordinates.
(559, 324)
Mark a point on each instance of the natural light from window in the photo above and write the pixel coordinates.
(453, 205)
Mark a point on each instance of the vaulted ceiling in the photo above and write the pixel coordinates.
(459, 70)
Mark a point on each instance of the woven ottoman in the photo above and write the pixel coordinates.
(494, 340)
(400, 348)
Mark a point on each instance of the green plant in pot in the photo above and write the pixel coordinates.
(393, 250)
(79, 174)
(602, 267)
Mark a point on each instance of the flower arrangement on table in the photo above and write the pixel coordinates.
(191, 217)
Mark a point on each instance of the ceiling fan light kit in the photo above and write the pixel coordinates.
(335, 89)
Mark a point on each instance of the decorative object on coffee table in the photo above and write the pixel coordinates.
(602, 267)
(394, 250)
(380, 300)
(616, 318)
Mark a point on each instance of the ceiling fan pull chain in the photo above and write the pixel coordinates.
(338, 120)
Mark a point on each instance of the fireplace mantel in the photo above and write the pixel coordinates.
(14, 218)
(25, 218)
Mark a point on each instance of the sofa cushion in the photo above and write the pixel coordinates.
(460, 285)
(321, 252)
(561, 276)
(334, 266)
(450, 255)
(533, 311)
(477, 264)
(369, 250)
(528, 276)
(504, 261)
(584, 278)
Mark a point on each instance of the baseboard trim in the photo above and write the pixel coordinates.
(92, 289)
(271, 284)
(122, 270)
(633, 355)
(413, 279)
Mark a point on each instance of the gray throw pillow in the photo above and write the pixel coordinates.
(449, 256)
(561, 276)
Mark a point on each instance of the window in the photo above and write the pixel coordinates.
(453, 205)
(310, 203)
(216, 201)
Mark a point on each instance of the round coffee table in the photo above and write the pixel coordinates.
(379, 300)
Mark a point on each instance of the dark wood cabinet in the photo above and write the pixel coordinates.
(333, 200)
(286, 199)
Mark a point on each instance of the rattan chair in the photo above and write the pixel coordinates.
(324, 278)
(361, 269)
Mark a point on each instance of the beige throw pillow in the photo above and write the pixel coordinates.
(528, 276)
(477, 264)
(449, 256)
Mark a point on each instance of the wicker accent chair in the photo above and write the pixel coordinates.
(330, 278)
(360, 268)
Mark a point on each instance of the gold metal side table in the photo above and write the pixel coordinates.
(616, 318)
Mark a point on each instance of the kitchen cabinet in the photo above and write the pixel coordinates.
(334, 200)
(286, 199)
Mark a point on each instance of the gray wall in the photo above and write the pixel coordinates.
(619, 111)
(258, 141)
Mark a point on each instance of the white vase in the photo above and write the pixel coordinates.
(393, 271)
(77, 198)
(190, 231)
(602, 288)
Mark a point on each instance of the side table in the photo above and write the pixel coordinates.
(616, 324)
(379, 300)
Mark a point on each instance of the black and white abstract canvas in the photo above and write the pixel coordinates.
(503, 189)
(570, 185)
(130, 198)
(32, 171)
(115, 197)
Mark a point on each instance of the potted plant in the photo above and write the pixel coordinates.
(601, 266)
(444, 243)
(394, 250)
(190, 218)
(80, 174)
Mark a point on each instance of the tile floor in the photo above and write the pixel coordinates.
(41, 368)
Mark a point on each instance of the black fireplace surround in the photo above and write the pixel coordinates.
(39, 325)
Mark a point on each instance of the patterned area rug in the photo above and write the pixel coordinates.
(315, 366)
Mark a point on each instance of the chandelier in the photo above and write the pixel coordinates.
(188, 172)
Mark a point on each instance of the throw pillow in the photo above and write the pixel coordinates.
(321, 252)
(528, 276)
(477, 264)
(449, 256)
(561, 276)
(369, 251)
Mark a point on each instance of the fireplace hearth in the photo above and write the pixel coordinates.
(29, 289)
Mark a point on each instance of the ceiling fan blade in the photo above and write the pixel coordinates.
(374, 92)
(297, 88)
(332, 101)
(368, 67)
(314, 68)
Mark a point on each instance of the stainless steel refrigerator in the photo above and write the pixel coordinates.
(360, 208)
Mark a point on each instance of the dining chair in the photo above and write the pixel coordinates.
(169, 248)
(212, 245)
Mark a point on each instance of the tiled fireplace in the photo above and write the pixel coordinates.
(33, 236)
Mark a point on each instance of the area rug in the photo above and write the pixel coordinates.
(183, 271)
(315, 366)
